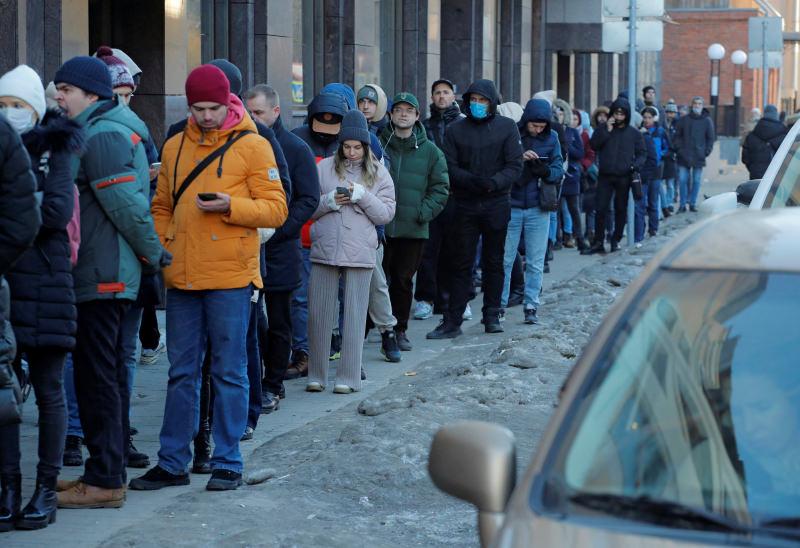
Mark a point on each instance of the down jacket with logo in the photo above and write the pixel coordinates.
(347, 236)
(217, 250)
(113, 178)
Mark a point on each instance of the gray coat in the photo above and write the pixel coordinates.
(347, 237)
(694, 139)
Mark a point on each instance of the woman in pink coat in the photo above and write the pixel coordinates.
(357, 193)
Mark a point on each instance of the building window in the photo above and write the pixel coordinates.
(490, 42)
(367, 41)
(298, 80)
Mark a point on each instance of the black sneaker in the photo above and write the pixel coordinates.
(692, 209)
(491, 324)
(389, 347)
(136, 459)
(73, 455)
(363, 374)
(282, 392)
(270, 402)
(402, 341)
(224, 480)
(336, 347)
(157, 478)
(516, 298)
(248, 434)
(444, 331)
(596, 248)
(530, 316)
(614, 246)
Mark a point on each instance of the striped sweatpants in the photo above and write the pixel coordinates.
(323, 289)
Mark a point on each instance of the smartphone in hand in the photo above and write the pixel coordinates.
(343, 190)
(207, 196)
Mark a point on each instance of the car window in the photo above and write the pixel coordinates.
(785, 190)
(696, 400)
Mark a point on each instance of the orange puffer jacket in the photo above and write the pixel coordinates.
(216, 250)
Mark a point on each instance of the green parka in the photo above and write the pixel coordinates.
(117, 233)
(421, 184)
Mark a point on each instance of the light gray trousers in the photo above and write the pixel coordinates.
(323, 289)
(380, 306)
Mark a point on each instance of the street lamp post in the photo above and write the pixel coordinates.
(739, 58)
(716, 52)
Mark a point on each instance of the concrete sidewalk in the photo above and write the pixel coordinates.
(92, 527)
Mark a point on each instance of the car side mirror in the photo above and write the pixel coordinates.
(476, 462)
(746, 191)
(719, 203)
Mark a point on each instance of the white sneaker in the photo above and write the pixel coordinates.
(150, 356)
(501, 316)
(637, 245)
(423, 310)
(467, 313)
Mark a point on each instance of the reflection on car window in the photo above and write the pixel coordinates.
(785, 190)
(699, 399)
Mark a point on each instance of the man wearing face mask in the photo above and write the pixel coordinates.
(484, 158)
(694, 141)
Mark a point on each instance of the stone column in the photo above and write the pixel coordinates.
(462, 42)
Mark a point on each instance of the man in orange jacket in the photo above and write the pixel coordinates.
(219, 183)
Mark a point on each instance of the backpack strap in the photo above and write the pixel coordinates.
(199, 168)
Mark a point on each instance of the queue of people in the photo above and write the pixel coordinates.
(279, 250)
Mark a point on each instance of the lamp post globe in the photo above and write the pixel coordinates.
(716, 52)
(739, 57)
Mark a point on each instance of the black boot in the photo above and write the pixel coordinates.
(41, 510)
(389, 347)
(597, 247)
(202, 451)
(491, 321)
(548, 255)
(136, 459)
(10, 500)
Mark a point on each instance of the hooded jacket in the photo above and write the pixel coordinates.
(348, 95)
(761, 144)
(347, 236)
(324, 102)
(621, 150)
(694, 139)
(421, 185)
(484, 156)
(525, 191)
(436, 124)
(113, 179)
(380, 119)
(43, 309)
(218, 250)
(281, 266)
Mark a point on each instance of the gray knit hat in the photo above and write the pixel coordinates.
(354, 127)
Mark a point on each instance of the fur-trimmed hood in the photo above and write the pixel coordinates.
(56, 133)
(604, 109)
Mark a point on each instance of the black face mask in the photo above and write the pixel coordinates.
(324, 138)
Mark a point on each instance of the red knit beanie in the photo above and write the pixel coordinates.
(207, 83)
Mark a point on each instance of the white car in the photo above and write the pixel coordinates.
(679, 425)
(780, 186)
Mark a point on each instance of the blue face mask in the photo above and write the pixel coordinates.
(479, 110)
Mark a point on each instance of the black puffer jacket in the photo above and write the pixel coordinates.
(694, 139)
(484, 156)
(621, 150)
(42, 296)
(19, 223)
(438, 121)
(761, 144)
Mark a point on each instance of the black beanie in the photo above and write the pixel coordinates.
(232, 73)
(87, 73)
(443, 81)
(354, 127)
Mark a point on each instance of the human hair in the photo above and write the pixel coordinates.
(268, 92)
(369, 166)
(646, 89)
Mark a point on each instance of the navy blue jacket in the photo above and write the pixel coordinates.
(43, 311)
(280, 265)
(525, 191)
(650, 168)
(572, 179)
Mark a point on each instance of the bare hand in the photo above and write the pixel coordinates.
(610, 124)
(529, 155)
(221, 205)
(344, 199)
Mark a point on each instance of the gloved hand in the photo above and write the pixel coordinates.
(483, 183)
(166, 258)
(357, 193)
(539, 168)
(330, 200)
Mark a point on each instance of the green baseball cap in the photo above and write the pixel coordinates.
(406, 97)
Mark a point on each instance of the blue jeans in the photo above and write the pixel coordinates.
(254, 369)
(129, 337)
(552, 230)
(683, 179)
(535, 225)
(195, 318)
(300, 305)
(649, 205)
(667, 192)
(566, 218)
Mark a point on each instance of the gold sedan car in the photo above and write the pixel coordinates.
(680, 423)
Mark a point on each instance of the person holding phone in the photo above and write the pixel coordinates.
(356, 194)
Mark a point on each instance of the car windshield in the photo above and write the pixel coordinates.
(785, 190)
(695, 401)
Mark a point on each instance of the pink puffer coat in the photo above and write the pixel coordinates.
(347, 237)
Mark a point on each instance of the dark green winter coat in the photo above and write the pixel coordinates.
(118, 237)
(421, 185)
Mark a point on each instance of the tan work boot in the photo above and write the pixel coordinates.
(83, 495)
(65, 484)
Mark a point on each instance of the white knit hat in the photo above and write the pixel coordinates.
(23, 83)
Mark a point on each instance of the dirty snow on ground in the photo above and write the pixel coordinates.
(358, 476)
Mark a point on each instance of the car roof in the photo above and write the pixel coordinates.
(766, 240)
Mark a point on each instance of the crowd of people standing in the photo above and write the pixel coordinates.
(279, 250)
